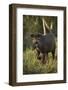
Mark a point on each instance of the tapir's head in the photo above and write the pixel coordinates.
(35, 37)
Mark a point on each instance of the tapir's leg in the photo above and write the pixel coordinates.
(53, 54)
(45, 58)
(38, 55)
(56, 53)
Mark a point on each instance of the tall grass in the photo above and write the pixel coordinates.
(31, 65)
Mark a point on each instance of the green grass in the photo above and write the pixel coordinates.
(31, 65)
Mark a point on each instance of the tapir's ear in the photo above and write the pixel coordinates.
(32, 35)
(39, 35)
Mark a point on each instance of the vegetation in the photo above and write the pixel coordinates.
(31, 65)
(34, 66)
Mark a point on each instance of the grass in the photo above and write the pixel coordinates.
(31, 65)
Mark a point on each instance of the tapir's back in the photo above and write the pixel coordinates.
(47, 43)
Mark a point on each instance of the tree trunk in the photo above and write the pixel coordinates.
(44, 30)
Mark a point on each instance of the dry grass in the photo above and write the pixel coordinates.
(31, 65)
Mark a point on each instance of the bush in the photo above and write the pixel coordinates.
(31, 65)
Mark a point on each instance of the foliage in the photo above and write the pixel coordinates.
(34, 66)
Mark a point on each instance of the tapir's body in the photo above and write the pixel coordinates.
(44, 45)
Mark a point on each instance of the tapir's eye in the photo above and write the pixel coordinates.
(32, 35)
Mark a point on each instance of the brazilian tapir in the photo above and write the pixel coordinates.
(43, 45)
